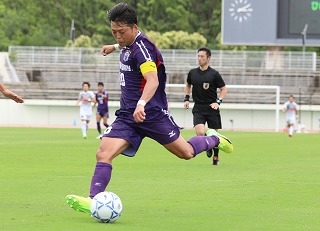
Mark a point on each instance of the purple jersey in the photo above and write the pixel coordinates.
(102, 99)
(132, 81)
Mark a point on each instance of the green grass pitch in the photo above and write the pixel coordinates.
(270, 182)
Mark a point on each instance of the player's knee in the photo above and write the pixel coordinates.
(102, 156)
(99, 154)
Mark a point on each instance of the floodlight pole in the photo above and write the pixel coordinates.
(304, 37)
(299, 121)
(72, 32)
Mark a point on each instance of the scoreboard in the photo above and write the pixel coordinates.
(270, 22)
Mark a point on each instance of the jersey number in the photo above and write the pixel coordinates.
(108, 130)
(122, 81)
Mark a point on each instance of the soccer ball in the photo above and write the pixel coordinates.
(106, 207)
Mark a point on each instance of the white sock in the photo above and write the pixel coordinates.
(84, 128)
(87, 126)
(291, 130)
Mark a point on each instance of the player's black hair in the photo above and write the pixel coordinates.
(123, 13)
(206, 49)
(100, 84)
(86, 83)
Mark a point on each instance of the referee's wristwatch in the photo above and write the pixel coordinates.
(219, 101)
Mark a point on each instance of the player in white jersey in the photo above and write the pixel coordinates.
(291, 109)
(85, 97)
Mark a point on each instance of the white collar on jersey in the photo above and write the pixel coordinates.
(139, 32)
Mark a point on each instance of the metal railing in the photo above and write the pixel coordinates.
(183, 59)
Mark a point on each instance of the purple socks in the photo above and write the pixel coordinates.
(100, 179)
(203, 143)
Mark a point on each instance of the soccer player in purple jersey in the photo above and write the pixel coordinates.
(103, 108)
(10, 94)
(143, 106)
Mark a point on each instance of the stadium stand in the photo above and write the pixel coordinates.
(58, 72)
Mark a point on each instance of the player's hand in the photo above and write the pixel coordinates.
(11, 95)
(139, 115)
(186, 104)
(107, 49)
(214, 106)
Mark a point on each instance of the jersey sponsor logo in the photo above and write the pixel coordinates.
(124, 67)
(206, 86)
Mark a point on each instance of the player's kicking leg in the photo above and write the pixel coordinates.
(225, 144)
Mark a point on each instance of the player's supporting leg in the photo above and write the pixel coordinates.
(84, 128)
(102, 173)
(101, 178)
(99, 182)
(78, 203)
(106, 125)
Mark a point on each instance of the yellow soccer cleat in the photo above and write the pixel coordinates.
(78, 203)
(225, 144)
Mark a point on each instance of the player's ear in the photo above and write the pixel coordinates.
(135, 27)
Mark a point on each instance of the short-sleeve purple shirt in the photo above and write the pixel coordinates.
(102, 99)
(132, 81)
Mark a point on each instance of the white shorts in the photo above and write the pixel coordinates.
(85, 115)
(291, 120)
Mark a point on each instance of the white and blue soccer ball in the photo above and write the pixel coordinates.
(106, 207)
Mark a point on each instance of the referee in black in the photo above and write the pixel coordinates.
(204, 82)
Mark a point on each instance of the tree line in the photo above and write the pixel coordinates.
(180, 24)
(171, 24)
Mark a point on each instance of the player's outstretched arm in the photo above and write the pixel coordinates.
(108, 49)
(10, 94)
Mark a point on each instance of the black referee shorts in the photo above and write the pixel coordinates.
(205, 114)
